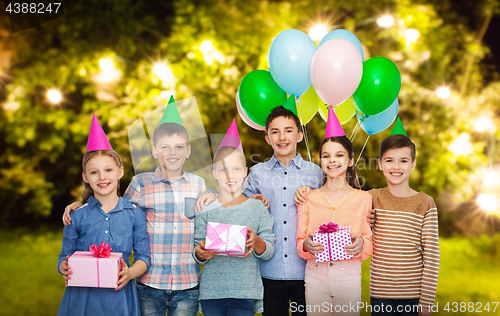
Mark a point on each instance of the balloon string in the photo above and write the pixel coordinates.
(304, 131)
(357, 130)
(361, 152)
(354, 129)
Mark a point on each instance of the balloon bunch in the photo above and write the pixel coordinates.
(332, 74)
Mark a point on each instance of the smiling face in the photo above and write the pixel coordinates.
(172, 151)
(102, 173)
(283, 136)
(230, 172)
(397, 164)
(335, 160)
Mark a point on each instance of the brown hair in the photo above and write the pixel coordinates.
(224, 152)
(87, 191)
(397, 141)
(351, 175)
(281, 111)
(169, 129)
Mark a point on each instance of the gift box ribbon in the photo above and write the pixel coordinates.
(103, 251)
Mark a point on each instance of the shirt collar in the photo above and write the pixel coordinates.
(158, 177)
(93, 202)
(297, 161)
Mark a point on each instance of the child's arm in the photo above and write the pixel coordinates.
(301, 195)
(306, 247)
(200, 255)
(73, 206)
(430, 248)
(263, 246)
(362, 246)
(142, 254)
(68, 247)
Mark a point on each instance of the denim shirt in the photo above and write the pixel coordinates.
(123, 228)
(278, 185)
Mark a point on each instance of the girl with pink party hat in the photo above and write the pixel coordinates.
(105, 217)
(232, 285)
(334, 287)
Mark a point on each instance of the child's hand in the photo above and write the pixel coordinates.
(73, 206)
(250, 244)
(301, 195)
(66, 270)
(371, 217)
(313, 247)
(125, 275)
(204, 199)
(355, 248)
(203, 254)
(424, 311)
(261, 198)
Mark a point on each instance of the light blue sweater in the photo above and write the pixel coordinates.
(235, 277)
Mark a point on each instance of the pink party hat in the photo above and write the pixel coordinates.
(97, 139)
(232, 137)
(333, 128)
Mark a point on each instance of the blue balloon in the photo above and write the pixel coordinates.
(348, 36)
(376, 123)
(290, 57)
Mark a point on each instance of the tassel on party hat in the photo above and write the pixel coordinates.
(398, 128)
(333, 127)
(232, 137)
(171, 114)
(97, 139)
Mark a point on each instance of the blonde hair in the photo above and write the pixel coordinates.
(224, 151)
(87, 191)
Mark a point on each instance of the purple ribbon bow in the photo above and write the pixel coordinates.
(328, 228)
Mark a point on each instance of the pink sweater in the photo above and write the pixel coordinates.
(351, 211)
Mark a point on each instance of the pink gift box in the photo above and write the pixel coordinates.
(226, 239)
(334, 244)
(90, 271)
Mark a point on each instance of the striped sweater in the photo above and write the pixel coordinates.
(405, 262)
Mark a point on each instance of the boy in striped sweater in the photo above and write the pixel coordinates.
(405, 263)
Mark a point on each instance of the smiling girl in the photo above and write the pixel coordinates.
(232, 285)
(107, 217)
(340, 200)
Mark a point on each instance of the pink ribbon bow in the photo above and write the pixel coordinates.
(328, 228)
(103, 251)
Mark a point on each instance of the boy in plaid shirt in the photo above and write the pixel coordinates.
(171, 283)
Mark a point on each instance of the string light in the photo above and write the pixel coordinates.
(491, 178)
(164, 72)
(411, 35)
(54, 96)
(484, 123)
(385, 21)
(461, 146)
(106, 64)
(487, 202)
(317, 32)
(443, 92)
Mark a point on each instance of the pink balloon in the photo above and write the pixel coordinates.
(244, 117)
(336, 71)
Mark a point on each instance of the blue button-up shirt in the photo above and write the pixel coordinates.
(124, 229)
(278, 185)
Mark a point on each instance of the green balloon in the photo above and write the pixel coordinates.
(259, 94)
(379, 86)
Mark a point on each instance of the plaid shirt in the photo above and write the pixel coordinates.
(170, 232)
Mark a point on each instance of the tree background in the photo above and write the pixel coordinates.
(41, 144)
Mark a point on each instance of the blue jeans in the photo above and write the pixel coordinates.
(394, 307)
(228, 307)
(155, 302)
